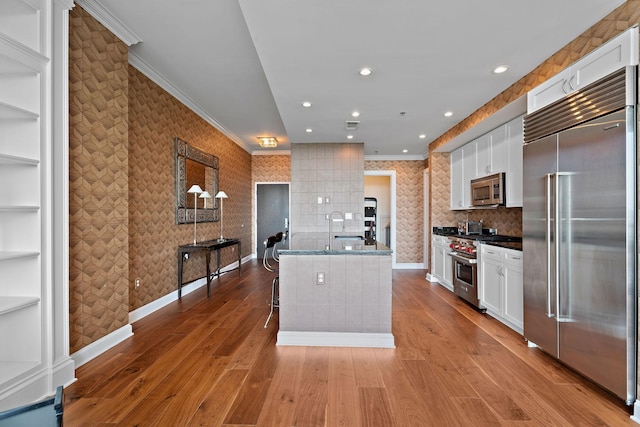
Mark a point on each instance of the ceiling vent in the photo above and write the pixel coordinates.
(352, 124)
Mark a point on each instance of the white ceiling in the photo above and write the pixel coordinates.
(247, 65)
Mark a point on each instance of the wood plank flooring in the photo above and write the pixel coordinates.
(210, 362)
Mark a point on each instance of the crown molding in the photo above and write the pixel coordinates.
(271, 153)
(146, 69)
(382, 158)
(65, 4)
(106, 18)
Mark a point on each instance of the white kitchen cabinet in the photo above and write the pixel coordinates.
(456, 170)
(27, 308)
(513, 177)
(491, 152)
(462, 170)
(500, 285)
(618, 52)
(441, 262)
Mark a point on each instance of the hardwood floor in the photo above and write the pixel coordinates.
(210, 362)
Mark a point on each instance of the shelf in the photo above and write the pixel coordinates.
(10, 112)
(7, 255)
(19, 208)
(9, 304)
(8, 159)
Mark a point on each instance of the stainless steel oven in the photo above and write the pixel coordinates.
(465, 278)
(465, 270)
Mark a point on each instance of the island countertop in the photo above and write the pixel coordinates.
(319, 244)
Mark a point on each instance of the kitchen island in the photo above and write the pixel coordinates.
(335, 292)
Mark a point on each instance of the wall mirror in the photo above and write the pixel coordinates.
(194, 166)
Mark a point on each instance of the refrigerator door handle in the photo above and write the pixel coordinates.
(551, 264)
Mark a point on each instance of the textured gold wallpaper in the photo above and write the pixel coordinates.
(409, 207)
(122, 203)
(98, 181)
(155, 117)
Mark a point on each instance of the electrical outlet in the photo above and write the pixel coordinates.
(137, 282)
(348, 215)
(320, 200)
(320, 278)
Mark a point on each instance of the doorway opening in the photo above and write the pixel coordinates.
(272, 213)
(381, 184)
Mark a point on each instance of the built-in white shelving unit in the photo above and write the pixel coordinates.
(24, 97)
(33, 321)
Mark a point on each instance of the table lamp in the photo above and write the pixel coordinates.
(221, 195)
(195, 189)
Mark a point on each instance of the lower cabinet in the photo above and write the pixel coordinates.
(441, 262)
(500, 285)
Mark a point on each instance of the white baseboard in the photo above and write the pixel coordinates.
(636, 412)
(433, 279)
(409, 266)
(64, 372)
(335, 339)
(98, 347)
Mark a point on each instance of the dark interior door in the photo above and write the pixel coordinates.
(272, 201)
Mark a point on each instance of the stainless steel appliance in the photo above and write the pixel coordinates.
(474, 227)
(488, 190)
(465, 269)
(579, 231)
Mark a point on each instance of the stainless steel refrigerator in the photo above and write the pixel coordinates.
(579, 231)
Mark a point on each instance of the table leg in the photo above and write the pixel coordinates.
(239, 259)
(218, 264)
(180, 260)
(208, 259)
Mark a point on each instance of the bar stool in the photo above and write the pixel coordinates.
(274, 251)
(274, 301)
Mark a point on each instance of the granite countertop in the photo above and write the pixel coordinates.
(320, 244)
(509, 245)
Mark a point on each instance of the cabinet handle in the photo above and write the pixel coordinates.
(517, 258)
(564, 82)
(570, 85)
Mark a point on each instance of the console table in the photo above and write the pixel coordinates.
(207, 246)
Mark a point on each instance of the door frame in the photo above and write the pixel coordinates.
(254, 213)
(392, 200)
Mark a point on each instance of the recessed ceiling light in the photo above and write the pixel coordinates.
(366, 71)
(448, 114)
(355, 114)
(309, 130)
(405, 150)
(500, 69)
(349, 136)
(422, 136)
(306, 104)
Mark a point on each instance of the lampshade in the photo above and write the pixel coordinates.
(221, 195)
(205, 195)
(195, 188)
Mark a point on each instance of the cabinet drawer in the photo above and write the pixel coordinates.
(513, 257)
(491, 252)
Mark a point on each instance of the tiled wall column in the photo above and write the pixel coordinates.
(333, 174)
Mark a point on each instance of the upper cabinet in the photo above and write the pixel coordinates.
(491, 153)
(618, 52)
(513, 179)
(497, 151)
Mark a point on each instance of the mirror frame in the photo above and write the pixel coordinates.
(184, 215)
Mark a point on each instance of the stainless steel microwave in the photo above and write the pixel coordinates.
(488, 190)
